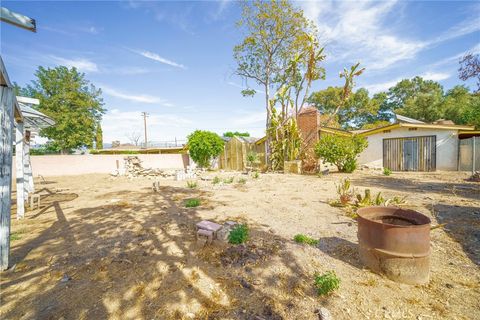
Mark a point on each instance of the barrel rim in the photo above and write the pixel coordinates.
(366, 214)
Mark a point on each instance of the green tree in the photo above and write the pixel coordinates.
(461, 106)
(230, 134)
(280, 47)
(72, 101)
(415, 98)
(99, 137)
(203, 146)
(358, 110)
(340, 151)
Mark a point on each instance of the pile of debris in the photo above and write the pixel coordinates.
(475, 177)
(133, 168)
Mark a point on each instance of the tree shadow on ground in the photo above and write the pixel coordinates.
(468, 189)
(138, 258)
(340, 249)
(463, 225)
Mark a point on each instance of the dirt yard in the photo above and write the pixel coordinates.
(111, 248)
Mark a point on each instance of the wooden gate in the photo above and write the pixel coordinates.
(410, 154)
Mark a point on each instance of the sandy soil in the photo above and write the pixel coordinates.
(129, 253)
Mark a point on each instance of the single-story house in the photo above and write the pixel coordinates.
(408, 144)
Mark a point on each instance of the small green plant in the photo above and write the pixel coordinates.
(242, 181)
(387, 172)
(192, 184)
(191, 203)
(326, 283)
(367, 200)
(345, 191)
(301, 238)
(228, 180)
(252, 159)
(256, 175)
(238, 235)
(14, 236)
(396, 201)
(216, 180)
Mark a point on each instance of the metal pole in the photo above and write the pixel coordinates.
(144, 114)
(473, 156)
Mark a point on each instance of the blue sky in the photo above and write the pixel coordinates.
(174, 59)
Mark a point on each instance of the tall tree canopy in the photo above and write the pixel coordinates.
(72, 101)
(280, 52)
(358, 110)
(416, 98)
(425, 100)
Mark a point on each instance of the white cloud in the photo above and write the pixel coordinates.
(384, 86)
(158, 58)
(79, 63)
(127, 70)
(132, 97)
(455, 58)
(363, 31)
(435, 76)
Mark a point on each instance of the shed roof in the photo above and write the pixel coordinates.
(33, 119)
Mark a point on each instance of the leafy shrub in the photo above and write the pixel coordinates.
(301, 238)
(256, 175)
(387, 171)
(252, 159)
(340, 151)
(242, 181)
(238, 235)
(228, 180)
(216, 180)
(326, 283)
(203, 146)
(192, 184)
(191, 203)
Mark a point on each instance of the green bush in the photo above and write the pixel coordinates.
(191, 203)
(340, 151)
(301, 238)
(256, 175)
(326, 283)
(228, 180)
(203, 146)
(238, 235)
(216, 180)
(387, 171)
(242, 181)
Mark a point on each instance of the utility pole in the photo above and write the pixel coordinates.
(145, 115)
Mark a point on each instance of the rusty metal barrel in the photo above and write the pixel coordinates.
(395, 242)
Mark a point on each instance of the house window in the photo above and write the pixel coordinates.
(386, 131)
(412, 129)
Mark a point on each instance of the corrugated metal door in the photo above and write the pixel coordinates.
(410, 154)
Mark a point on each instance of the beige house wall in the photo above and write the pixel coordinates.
(446, 144)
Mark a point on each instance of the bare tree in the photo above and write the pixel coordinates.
(134, 137)
(470, 68)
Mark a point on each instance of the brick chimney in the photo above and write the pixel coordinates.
(309, 123)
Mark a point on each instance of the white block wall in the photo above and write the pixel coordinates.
(447, 146)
